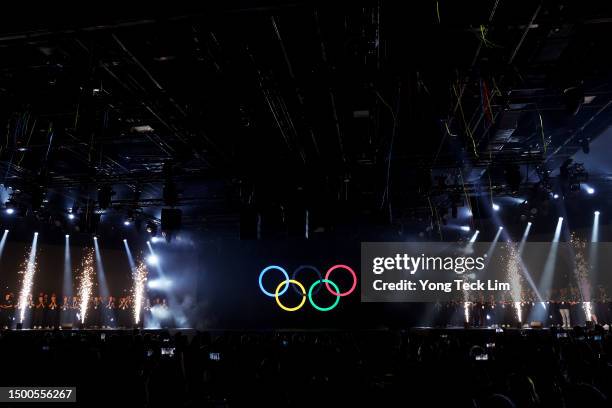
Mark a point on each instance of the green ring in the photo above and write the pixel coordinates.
(319, 308)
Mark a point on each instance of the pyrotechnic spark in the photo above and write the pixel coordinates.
(588, 311)
(513, 276)
(86, 281)
(466, 311)
(518, 307)
(28, 269)
(140, 281)
(581, 266)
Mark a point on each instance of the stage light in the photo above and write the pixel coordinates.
(524, 238)
(67, 277)
(160, 283)
(501, 228)
(465, 228)
(590, 190)
(555, 196)
(152, 228)
(10, 211)
(95, 238)
(496, 207)
(596, 213)
(155, 240)
(546, 279)
(152, 259)
(3, 242)
(124, 240)
(126, 223)
(71, 216)
(473, 238)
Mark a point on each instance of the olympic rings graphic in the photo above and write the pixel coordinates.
(261, 275)
(290, 309)
(319, 308)
(312, 290)
(303, 267)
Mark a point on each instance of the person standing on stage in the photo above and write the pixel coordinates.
(53, 313)
(39, 312)
(122, 312)
(65, 311)
(564, 309)
(7, 307)
(74, 313)
(46, 312)
(29, 314)
(110, 312)
(95, 312)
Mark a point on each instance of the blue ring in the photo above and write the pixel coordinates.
(262, 273)
(302, 267)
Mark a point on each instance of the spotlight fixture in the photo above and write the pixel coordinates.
(67, 236)
(465, 228)
(590, 190)
(152, 228)
(127, 222)
(501, 228)
(496, 207)
(10, 207)
(597, 212)
(71, 216)
(555, 196)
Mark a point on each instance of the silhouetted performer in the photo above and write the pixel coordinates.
(53, 313)
(39, 312)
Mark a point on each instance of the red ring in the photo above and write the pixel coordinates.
(348, 268)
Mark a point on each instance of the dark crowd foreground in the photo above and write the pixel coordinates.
(453, 368)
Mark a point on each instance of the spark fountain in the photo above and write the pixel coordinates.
(28, 270)
(140, 280)
(86, 280)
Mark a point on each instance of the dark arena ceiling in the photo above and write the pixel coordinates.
(396, 114)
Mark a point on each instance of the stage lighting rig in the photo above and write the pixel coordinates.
(105, 195)
(513, 177)
(573, 174)
(152, 228)
(170, 194)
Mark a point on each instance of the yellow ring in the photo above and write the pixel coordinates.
(299, 285)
